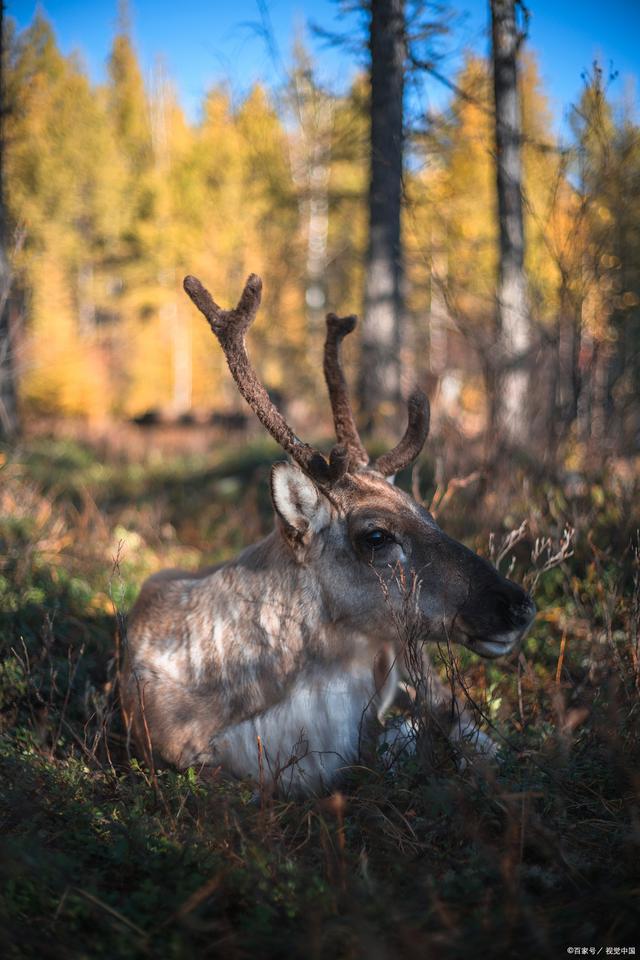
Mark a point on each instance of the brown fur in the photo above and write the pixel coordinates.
(206, 652)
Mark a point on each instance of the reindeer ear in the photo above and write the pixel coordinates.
(297, 500)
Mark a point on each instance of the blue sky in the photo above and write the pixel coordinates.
(205, 43)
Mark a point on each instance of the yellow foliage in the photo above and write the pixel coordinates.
(119, 197)
(62, 372)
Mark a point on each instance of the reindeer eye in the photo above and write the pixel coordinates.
(376, 539)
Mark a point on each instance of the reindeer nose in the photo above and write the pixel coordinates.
(500, 634)
(512, 605)
(505, 615)
(522, 613)
(522, 610)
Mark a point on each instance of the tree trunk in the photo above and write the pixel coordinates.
(318, 213)
(8, 403)
(568, 382)
(439, 312)
(310, 159)
(379, 382)
(512, 308)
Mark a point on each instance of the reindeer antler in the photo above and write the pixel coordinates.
(413, 440)
(346, 431)
(230, 327)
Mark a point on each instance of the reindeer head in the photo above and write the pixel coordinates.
(367, 542)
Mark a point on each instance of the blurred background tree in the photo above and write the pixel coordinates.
(9, 423)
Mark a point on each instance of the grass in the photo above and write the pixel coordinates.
(101, 857)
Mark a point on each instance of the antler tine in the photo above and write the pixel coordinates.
(346, 431)
(230, 327)
(413, 441)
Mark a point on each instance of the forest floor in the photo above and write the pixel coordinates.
(534, 856)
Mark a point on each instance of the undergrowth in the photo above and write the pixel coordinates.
(102, 857)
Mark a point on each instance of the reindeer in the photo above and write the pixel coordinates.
(281, 664)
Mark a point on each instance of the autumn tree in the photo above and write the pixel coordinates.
(8, 397)
(605, 269)
(61, 169)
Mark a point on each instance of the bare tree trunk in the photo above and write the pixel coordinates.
(568, 349)
(318, 212)
(310, 158)
(513, 308)
(601, 437)
(86, 303)
(9, 423)
(439, 312)
(586, 364)
(379, 382)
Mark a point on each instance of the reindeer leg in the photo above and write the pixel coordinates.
(448, 714)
